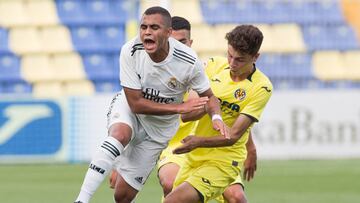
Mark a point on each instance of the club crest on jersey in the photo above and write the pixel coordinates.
(173, 83)
(240, 94)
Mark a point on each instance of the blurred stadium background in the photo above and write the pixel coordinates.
(59, 69)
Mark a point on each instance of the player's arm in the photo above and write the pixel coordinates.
(140, 105)
(250, 164)
(242, 123)
(194, 115)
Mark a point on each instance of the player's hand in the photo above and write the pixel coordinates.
(220, 126)
(193, 104)
(189, 143)
(250, 165)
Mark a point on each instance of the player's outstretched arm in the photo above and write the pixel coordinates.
(140, 105)
(190, 143)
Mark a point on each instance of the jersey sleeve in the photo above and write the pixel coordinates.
(258, 101)
(199, 81)
(128, 75)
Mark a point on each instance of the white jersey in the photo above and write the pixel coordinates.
(164, 82)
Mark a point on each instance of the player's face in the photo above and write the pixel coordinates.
(240, 63)
(154, 33)
(182, 36)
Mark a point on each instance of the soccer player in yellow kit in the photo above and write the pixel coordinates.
(213, 161)
(169, 163)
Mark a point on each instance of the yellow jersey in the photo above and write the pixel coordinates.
(247, 97)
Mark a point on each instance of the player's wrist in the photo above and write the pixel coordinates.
(216, 117)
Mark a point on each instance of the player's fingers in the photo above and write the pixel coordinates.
(245, 174)
(251, 174)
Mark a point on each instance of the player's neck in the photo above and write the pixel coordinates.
(241, 74)
(161, 54)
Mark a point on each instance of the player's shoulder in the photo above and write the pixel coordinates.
(183, 52)
(215, 65)
(261, 80)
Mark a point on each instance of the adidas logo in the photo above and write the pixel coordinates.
(139, 179)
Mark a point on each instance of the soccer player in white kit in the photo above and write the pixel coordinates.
(156, 71)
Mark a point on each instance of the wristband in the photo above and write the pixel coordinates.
(216, 116)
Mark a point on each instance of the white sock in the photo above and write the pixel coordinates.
(100, 167)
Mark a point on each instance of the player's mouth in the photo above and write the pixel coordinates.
(149, 44)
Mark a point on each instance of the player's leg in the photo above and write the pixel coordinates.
(124, 193)
(136, 164)
(120, 134)
(112, 178)
(235, 194)
(183, 193)
(167, 175)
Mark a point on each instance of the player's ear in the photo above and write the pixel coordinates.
(256, 56)
(169, 31)
(191, 41)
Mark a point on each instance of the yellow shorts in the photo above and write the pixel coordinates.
(220, 198)
(210, 178)
(168, 157)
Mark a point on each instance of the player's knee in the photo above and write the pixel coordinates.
(236, 197)
(167, 186)
(121, 132)
(122, 197)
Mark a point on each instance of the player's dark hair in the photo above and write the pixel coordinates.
(162, 11)
(245, 39)
(180, 23)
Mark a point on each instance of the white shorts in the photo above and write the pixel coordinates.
(140, 156)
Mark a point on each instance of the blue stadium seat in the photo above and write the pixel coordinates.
(316, 37)
(15, 87)
(236, 11)
(330, 37)
(112, 37)
(4, 40)
(286, 66)
(85, 38)
(10, 67)
(107, 86)
(270, 12)
(328, 11)
(100, 66)
(123, 10)
(298, 66)
(71, 12)
(271, 65)
(99, 11)
(343, 37)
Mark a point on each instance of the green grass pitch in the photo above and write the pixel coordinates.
(297, 181)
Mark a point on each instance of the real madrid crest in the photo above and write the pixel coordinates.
(240, 94)
(173, 83)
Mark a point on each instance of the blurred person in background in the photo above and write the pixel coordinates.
(169, 163)
(155, 73)
(213, 162)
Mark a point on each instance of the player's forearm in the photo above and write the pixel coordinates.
(250, 145)
(144, 106)
(213, 106)
(193, 116)
(216, 141)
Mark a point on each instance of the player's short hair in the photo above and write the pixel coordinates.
(246, 39)
(162, 11)
(180, 23)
